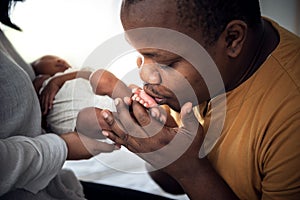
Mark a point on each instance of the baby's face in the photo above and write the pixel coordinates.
(50, 65)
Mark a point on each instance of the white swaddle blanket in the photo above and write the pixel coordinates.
(73, 96)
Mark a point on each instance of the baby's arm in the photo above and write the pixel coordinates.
(53, 86)
(61, 79)
(38, 82)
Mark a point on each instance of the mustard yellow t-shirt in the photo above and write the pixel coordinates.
(258, 152)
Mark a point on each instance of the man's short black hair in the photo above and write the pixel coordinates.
(213, 15)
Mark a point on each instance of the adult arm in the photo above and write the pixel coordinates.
(30, 163)
(166, 182)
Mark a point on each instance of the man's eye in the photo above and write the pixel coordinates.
(164, 66)
(167, 65)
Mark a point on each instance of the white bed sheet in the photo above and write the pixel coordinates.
(119, 168)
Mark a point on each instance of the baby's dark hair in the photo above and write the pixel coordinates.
(213, 15)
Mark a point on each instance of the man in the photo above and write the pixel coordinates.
(256, 155)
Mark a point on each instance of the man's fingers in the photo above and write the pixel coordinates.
(150, 125)
(140, 113)
(190, 122)
(114, 125)
(110, 135)
(130, 142)
(130, 123)
(163, 115)
(191, 127)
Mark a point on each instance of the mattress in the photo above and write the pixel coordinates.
(120, 168)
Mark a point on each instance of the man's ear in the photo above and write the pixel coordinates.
(235, 35)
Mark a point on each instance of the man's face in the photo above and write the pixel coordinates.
(168, 77)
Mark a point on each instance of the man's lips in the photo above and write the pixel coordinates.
(158, 99)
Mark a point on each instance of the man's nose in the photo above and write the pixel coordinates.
(149, 72)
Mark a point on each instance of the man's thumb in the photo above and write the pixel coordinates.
(189, 120)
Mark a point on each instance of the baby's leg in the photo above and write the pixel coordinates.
(90, 123)
(104, 82)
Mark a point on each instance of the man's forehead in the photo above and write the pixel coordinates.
(149, 13)
(149, 3)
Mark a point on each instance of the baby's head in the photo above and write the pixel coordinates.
(49, 65)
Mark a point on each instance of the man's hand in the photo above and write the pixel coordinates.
(174, 150)
(159, 144)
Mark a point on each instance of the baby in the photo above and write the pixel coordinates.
(47, 66)
(63, 113)
(63, 92)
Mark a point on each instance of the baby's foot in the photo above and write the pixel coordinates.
(143, 98)
(147, 101)
(103, 82)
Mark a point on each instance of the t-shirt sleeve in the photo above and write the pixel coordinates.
(30, 163)
(280, 161)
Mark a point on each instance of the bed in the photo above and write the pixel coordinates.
(120, 168)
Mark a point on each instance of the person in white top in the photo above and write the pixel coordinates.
(32, 161)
